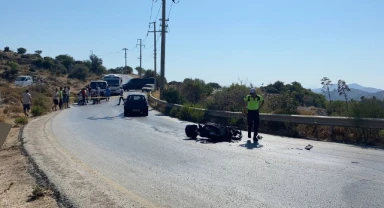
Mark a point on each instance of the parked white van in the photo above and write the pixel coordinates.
(24, 81)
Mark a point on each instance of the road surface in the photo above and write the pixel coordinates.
(98, 158)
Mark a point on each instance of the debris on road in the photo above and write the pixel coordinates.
(308, 147)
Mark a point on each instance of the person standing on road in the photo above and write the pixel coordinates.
(98, 94)
(65, 97)
(107, 93)
(84, 95)
(27, 102)
(55, 99)
(121, 95)
(61, 98)
(89, 90)
(253, 102)
(69, 96)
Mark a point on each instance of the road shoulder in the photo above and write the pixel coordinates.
(77, 183)
(19, 186)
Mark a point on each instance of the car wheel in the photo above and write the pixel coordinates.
(146, 113)
(125, 114)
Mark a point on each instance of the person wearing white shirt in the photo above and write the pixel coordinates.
(27, 102)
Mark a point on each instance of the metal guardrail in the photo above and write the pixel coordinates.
(299, 119)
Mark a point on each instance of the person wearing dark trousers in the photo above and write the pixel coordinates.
(107, 93)
(61, 98)
(121, 95)
(27, 102)
(253, 102)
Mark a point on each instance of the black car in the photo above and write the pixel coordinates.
(136, 103)
(138, 83)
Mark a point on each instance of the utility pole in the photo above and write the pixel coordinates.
(155, 49)
(125, 49)
(140, 56)
(162, 61)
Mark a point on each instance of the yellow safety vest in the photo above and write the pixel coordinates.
(253, 103)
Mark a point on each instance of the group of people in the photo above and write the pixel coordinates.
(61, 98)
(86, 94)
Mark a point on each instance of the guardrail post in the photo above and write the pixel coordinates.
(331, 132)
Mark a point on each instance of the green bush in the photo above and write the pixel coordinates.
(188, 114)
(80, 72)
(175, 112)
(367, 108)
(37, 111)
(40, 105)
(21, 120)
(171, 95)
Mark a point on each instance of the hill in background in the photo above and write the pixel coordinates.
(357, 91)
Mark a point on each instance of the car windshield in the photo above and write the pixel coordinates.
(21, 78)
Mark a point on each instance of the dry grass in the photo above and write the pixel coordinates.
(3, 117)
(17, 186)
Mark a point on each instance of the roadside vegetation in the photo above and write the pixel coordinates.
(280, 98)
(48, 73)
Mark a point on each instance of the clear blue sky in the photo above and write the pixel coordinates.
(218, 41)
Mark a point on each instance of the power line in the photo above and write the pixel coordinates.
(158, 12)
(170, 9)
(157, 42)
(150, 18)
(110, 53)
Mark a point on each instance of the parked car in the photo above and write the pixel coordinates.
(148, 88)
(24, 81)
(136, 104)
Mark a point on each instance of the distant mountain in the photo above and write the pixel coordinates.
(357, 91)
(362, 88)
(379, 95)
(352, 86)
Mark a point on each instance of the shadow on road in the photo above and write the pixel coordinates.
(121, 115)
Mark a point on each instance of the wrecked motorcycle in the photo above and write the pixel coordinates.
(214, 132)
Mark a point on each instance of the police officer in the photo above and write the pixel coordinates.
(253, 102)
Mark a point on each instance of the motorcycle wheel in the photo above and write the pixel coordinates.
(190, 131)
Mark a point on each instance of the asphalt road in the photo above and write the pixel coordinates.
(150, 160)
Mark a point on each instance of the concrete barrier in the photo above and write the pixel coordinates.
(4, 131)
